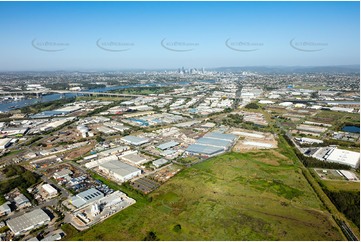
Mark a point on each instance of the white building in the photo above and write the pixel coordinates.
(349, 175)
(346, 157)
(286, 104)
(62, 173)
(134, 140)
(119, 170)
(309, 140)
(4, 143)
(95, 209)
(50, 190)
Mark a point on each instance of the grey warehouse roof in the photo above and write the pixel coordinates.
(215, 135)
(26, 221)
(120, 168)
(85, 197)
(203, 149)
(135, 140)
(160, 162)
(21, 199)
(167, 145)
(52, 237)
(5, 208)
(214, 142)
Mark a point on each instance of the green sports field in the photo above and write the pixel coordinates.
(252, 196)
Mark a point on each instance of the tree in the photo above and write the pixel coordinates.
(99, 139)
(177, 228)
(151, 236)
(252, 106)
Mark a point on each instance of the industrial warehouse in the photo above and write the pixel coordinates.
(119, 171)
(28, 221)
(212, 144)
(86, 197)
(133, 140)
(331, 154)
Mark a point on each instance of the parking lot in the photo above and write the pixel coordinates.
(145, 185)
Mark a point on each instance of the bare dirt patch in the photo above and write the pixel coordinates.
(251, 140)
(79, 152)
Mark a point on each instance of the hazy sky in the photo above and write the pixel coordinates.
(123, 35)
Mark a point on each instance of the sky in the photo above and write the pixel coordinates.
(164, 35)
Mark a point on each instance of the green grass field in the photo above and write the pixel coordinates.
(336, 118)
(337, 184)
(251, 196)
(342, 186)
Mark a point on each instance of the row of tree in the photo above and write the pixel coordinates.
(346, 202)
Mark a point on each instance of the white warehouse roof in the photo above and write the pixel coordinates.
(4, 142)
(135, 140)
(347, 157)
(49, 189)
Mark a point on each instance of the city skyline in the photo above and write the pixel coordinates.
(45, 36)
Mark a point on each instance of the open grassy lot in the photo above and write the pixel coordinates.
(338, 184)
(250, 196)
(100, 98)
(342, 186)
(336, 118)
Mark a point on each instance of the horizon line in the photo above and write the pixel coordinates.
(176, 68)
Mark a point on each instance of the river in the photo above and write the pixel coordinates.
(5, 107)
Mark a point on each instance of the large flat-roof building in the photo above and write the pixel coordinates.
(4, 143)
(167, 145)
(346, 157)
(62, 173)
(158, 163)
(119, 170)
(221, 136)
(86, 197)
(134, 140)
(28, 221)
(332, 154)
(133, 158)
(212, 144)
(204, 150)
(113, 151)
